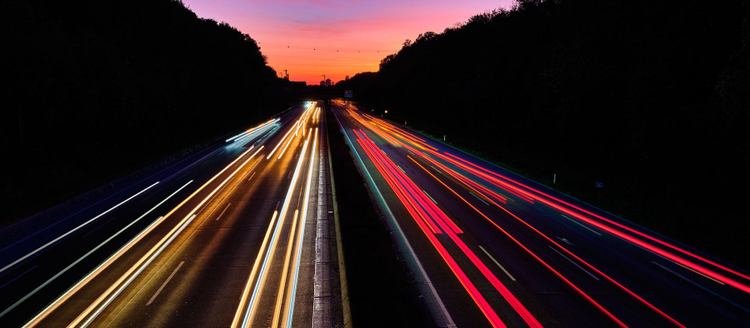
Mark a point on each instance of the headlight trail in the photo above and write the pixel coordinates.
(252, 307)
(292, 292)
(531, 197)
(155, 248)
(75, 229)
(36, 319)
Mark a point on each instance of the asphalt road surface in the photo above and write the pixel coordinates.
(226, 237)
(490, 248)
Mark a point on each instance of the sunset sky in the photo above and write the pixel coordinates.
(310, 38)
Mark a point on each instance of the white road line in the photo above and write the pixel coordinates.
(132, 277)
(498, 264)
(480, 199)
(164, 284)
(75, 229)
(574, 263)
(434, 168)
(89, 253)
(428, 195)
(289, 311)
(222, 212)
(252, 306)
(251, 176)
(581, 224)
(688, 268)
(443, 318)
(701, 287)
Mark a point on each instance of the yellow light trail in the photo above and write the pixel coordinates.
(287, 257)
(246, 292)
(252, 307)
(104, 295)
(289, 309)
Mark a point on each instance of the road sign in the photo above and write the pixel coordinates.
(348, 93)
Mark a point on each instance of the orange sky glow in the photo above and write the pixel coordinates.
(313, 38)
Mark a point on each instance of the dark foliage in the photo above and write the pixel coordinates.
(649, 97)
(92, 88)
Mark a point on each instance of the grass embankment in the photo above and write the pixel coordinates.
(380, 290)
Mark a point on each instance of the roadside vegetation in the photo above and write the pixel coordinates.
(93, 90)
(649, 98)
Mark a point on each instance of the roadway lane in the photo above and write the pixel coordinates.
(38, 265)
(190, 257)
(502, 250)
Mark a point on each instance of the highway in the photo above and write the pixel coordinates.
(489, 248)
(230, 236)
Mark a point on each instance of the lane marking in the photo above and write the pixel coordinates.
(428, 195)
(269, 253)
(74, 229)
(480, 199)
(246, 291)
(289, 176)
(132, 277)
(222, 212)
(85, 279)
(581, 224)
(166, 239)
(574, 263)
(498, 264)
(442, 317)
(702, 287)
(686, 267)
(251, 176)
(164, 284)
(182, 176)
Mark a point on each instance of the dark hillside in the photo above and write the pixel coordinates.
(648, 97)
(92, 89)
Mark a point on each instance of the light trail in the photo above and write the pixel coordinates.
(155, 248)
(75, 229)
(735, 284)
(570, 213)
(284, 271)
(388, 166)
(555, 272)
(481, 302)
(246, 291)
(64, 296)
(292, 292)
(280, 142)
(252, 307)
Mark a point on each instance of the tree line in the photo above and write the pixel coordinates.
(92, 88)
(651, 98)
